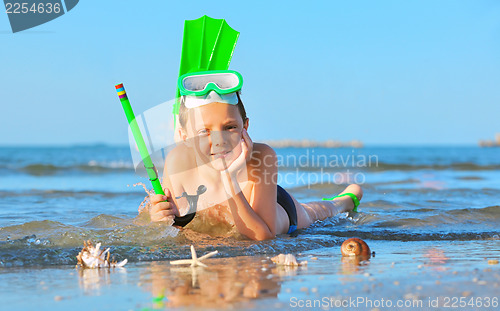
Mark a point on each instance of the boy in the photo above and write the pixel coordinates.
(234, 179)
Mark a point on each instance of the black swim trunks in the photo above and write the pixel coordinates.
(286, 201)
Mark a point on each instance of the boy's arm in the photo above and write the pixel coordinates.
(177, 167)
(256, 219)
(159, 207)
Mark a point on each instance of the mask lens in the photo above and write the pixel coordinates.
(219, 81)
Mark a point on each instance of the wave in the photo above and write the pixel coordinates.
(436, 220)
(407, 236)
(384, 166)
(462, 166)
(55, 243)
(35, 251)
(54, 194)
(105, 167)
(92, 167)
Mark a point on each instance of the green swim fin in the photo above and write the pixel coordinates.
(208, 44)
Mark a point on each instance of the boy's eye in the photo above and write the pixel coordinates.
(231, 127)
(203, 132)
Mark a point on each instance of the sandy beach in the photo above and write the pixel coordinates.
(424, 275)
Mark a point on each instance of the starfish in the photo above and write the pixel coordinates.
(195, 261)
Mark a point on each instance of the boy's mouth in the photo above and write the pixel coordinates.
(221, 154)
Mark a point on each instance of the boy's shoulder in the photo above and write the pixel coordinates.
(261, 150)
(179, 159)
(263, 159)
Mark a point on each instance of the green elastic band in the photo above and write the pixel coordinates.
(353, 197)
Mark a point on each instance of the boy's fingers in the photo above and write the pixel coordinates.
(244, 147)
(155, 198)
(165, 213)
(157, 218)
(167, 218)
(246, 137)
(163, 216)
(161, 206)
(247, 145)
(248, 141)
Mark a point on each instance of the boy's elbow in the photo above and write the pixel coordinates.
(262, 236)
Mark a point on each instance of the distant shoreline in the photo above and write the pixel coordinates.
(307, 143)
(491, 143)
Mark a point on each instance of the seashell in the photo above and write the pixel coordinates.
(93, 257)
(355, 247)
(287, 260)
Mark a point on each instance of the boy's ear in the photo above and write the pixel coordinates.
(245, 124)
(183, 135)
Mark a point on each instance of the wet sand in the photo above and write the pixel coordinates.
(458, 275)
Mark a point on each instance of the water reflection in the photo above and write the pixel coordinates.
(224, 283)
(435, 258)
(92, 280)
(352, 264)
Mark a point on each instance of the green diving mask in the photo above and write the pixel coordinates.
(202, 88)
(201, 83)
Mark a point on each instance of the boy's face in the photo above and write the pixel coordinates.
(214, 131)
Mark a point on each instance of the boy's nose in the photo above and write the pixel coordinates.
(217, 138)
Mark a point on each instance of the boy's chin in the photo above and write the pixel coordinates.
(220, 165)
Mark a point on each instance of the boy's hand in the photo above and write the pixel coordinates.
(245, 155)
(161, 209)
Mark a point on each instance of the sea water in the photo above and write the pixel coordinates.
(54, 198)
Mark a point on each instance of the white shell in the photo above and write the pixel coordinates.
(287, 260)
(93, 257)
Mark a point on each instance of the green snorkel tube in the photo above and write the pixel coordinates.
(143, 150)
(139, 140)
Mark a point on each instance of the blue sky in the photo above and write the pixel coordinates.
(383, 72)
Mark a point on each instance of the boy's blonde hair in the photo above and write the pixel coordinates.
(183, 115)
